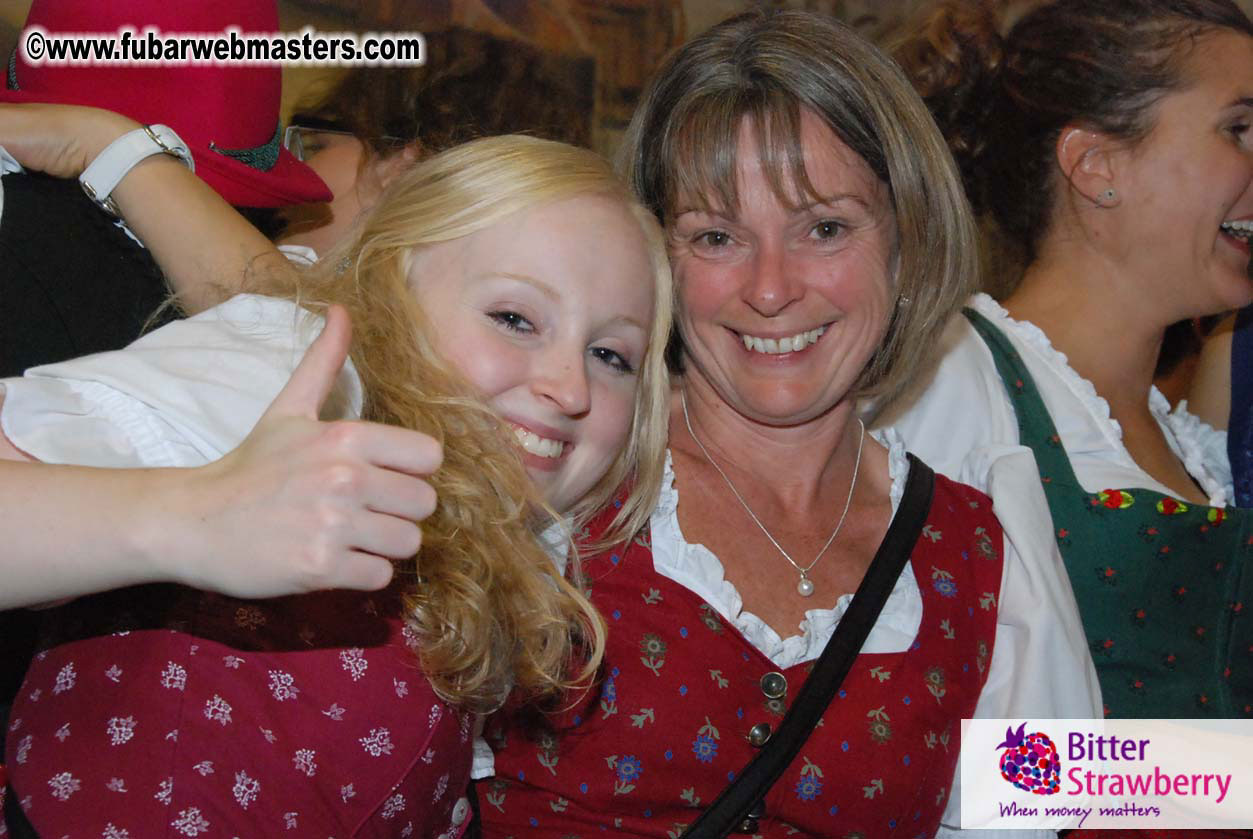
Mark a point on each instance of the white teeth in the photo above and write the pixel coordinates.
(537, 445)
(1241, 229)
(771, 346)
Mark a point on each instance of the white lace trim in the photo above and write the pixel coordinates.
(695, 567)
(1190, 438)
(1201, 447)
(1033, 335)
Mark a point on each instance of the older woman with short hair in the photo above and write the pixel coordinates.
(820, 239)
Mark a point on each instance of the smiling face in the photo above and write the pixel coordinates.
(1187, 188)
(547, 314)
(781, 307)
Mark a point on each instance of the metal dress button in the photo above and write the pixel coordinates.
(759, 734)
(460, 811)
(750, 821)
(774, 685)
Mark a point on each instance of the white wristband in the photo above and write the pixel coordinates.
(104, 173)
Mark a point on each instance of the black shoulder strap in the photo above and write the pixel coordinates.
(734, 804)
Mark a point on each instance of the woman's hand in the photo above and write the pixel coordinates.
(301, 504)
(59, 140)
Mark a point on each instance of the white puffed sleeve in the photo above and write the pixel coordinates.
(182, 395)
(1041, 667)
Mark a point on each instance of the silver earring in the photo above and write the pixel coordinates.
(903, 300)
(1108, 198)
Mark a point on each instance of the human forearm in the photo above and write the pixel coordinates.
(71, 530)
(299, 505)
(201, 244)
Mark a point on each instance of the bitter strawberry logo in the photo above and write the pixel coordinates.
(1030, 761)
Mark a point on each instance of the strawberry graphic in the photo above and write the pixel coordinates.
(1030, 761)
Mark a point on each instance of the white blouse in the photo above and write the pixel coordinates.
(959, 416)
(1037, 621)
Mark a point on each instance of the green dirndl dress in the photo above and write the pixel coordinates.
(1163, 586)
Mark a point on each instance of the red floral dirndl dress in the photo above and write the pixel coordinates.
(160, 711)
(672, 720)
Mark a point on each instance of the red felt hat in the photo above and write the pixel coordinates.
(228, 114)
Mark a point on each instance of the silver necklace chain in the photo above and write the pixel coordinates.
(805, 586)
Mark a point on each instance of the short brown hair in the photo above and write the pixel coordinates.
(771, 66)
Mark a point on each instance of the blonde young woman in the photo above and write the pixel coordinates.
(512, 272)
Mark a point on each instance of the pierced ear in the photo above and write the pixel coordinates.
(387, 167)
(1086, 160)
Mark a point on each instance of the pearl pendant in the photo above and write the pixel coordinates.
(804, 588)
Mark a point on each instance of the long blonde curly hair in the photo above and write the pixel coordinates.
(492, 611)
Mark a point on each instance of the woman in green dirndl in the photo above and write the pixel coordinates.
(1108, 144)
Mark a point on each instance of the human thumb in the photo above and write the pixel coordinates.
(314, 377)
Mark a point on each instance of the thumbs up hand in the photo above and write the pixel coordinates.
(303, 505)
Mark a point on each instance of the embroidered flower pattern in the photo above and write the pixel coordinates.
(218, 710)
(120, 730)
(653, 651)
(378, 743)
(942, 582)
(65, 679)
(245, 790)
(305, 762)
(705, 748)
(392, 806)
(809, 786)
(249, 617)
(189, 822)
(628, 770)
(354, 662)
(174, 676)
(283, 686)
(63, 785)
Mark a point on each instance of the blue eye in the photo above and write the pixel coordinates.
(614, 359)
(512, 321)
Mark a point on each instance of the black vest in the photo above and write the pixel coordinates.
(71, 282)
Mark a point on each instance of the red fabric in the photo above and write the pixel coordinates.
(667, 728)
(207, 716)
(227, 105)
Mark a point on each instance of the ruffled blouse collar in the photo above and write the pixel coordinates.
(697, 568)
(1188, 436)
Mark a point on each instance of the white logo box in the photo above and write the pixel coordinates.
(1108, 774)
